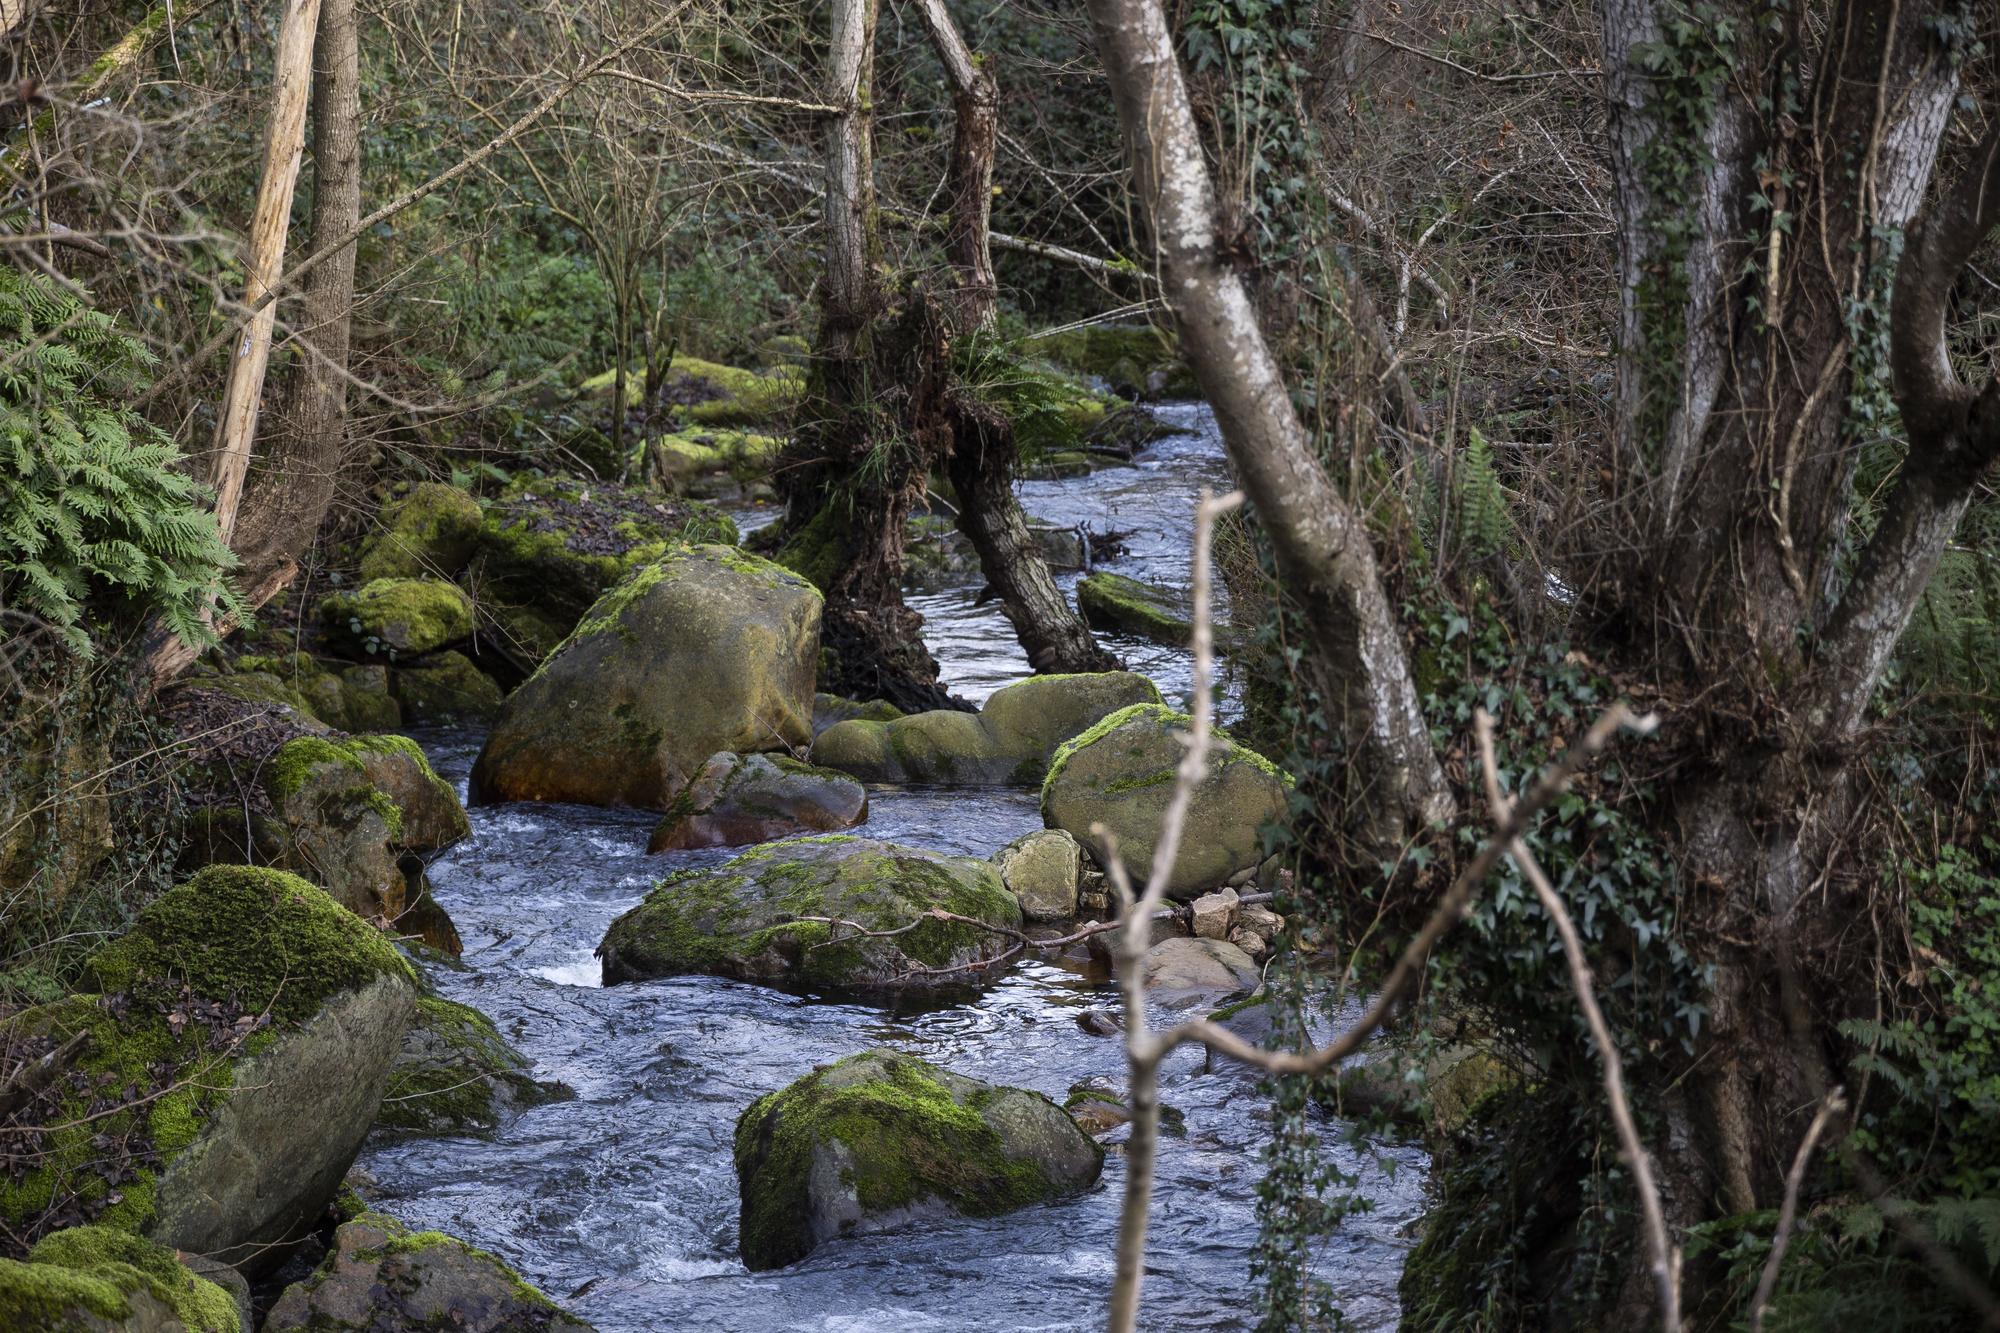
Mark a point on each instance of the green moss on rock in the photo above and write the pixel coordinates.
(105, 1254)
(458, 1075)
(432, 531)
(399, 616)
(881, 1136)
(1127, 606)
(739, 920)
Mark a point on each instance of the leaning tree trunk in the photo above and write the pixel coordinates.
(983, 453)
(293, 477)
(166, 656)
(1321, 541)
(852, 474)
(1747, 332)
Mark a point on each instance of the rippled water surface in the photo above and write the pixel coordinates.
(622, 1203)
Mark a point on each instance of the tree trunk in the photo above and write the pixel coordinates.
(1321, 542)
(294, 476)
(236, 425)
(1747, 333)
(851, 474)
(983, 454)
(975, 106)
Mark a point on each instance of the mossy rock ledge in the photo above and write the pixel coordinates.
(239, 1038)
(549, 547)
(1120, 774)
(704, 650)
(380, 1275)
(457, 1075)
(738, 920)
(1009, 741)
(738, 799)
(881, 1139)
(94, 1279)
(444, 687)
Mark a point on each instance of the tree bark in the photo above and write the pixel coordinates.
(983, 454)
(975, 100)
(1322, 543)
(293, 482)
(236, 424)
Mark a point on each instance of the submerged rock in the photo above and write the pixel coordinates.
(398, 617)
(457, 1075)
(1184, 973)
(706, 649)
(739, 799)
(1044, 871)
(236, 1052)
(380, 1275)
(430, 532)
(1120, 774)
(94, 1279)
(1009, 741)
(738, 920)
(1127, 606)
(880, 1139)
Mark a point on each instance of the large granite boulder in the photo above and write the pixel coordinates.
(1196, 973)
(881, 1139)
(1009, 741)
(381, 1276)
(705, 649)
(231, 1059)
(1120, 775)
(739, 799)
(739, 920)
(99, 1280)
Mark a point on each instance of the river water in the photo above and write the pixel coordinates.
(622, 1202)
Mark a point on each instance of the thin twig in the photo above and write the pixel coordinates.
(1666, 1258)
(1833, 1104)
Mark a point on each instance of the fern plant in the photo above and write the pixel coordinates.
(96, 512)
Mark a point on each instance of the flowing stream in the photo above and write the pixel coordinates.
(622, 1202)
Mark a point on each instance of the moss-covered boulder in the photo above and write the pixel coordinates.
(1120, 605)
(457, 1075)
(740, 920)
(738, 799)
(382, 1277)
(1044, 871)
(706, 649)
(444, 687)
(398, 617)
(431, 531)
(881, 1139)
(1134, 359)
(1120, 774)
(345, 696)
(234, 1053)
(1009, 741)
(90, 1279)
(358, 817)
(706, 462)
